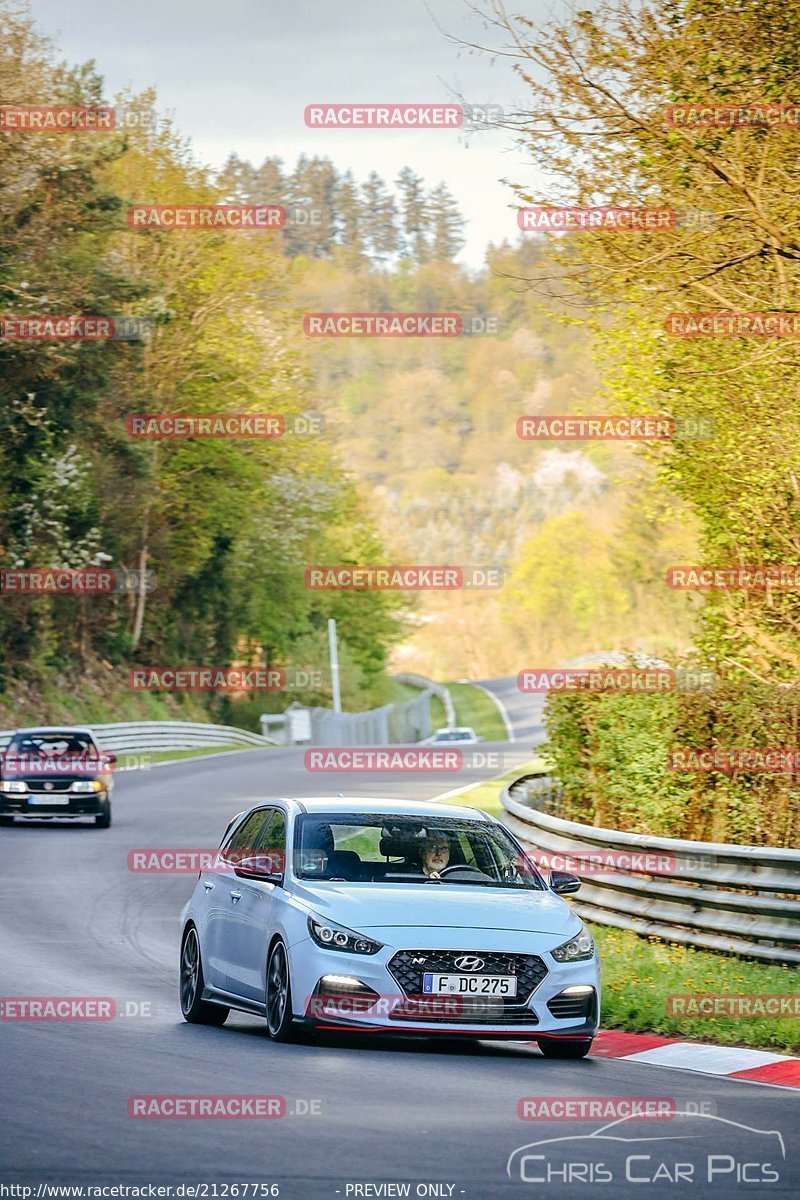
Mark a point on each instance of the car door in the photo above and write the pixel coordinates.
(217, 901)
(250, 917)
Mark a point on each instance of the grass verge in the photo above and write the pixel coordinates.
(473, 707)
(639, 974)
(486, 795)
(159, 756)
(401, 692)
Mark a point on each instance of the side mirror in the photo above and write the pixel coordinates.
(563, 883)
(266, 867)
(108, 760)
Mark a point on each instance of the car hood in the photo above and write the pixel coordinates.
(54, 775)
(457, 906)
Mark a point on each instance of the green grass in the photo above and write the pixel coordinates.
(473, 707)
(158, 756)
(399, 693)
(639, 974)
(486, 795)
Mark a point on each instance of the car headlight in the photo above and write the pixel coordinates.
(337, 937)
(577, 949)
(13, 785)
(87, 785)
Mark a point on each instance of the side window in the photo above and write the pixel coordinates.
(245, 840)
(273, 841)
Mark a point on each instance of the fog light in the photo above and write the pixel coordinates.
(336, 982)
(578, 989)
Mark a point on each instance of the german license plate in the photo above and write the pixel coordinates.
(48, 800)
(469, 985)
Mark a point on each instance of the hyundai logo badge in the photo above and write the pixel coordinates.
(468, 962)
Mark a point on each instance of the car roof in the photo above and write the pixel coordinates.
(54, 729)
(371, 804)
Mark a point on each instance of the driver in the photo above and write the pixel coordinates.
(435, 853)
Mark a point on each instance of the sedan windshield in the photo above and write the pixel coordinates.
(385, 848)
(31, 752)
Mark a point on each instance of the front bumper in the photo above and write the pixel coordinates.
(79, 804)
(389, 1000)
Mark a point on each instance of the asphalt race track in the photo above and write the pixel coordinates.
(524, 710)
(75, 921)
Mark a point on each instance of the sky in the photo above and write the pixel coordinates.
(237, 76)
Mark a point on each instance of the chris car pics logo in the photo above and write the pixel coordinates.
(693, 1148)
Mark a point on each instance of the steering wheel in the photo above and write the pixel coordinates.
(461, 867)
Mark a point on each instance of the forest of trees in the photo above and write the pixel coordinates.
(601, 84)
(327, 210)
(227, 526)
(420, 459)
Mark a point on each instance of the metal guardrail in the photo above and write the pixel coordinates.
(438, 689)
(737, 899)
(148, 736)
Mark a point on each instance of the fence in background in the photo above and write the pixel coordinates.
(438, 689)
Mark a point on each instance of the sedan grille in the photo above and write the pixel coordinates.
(48, 785)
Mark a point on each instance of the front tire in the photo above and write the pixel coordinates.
(102, 819)
(195, 1009)
(565, 1047)
(280, 1024)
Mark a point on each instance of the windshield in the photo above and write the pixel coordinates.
(383, 848)
(50, 751)
(454, 735)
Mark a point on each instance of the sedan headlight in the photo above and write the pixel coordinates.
(577, 949)
(87, 785)
(13, 785)
(337, 937)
